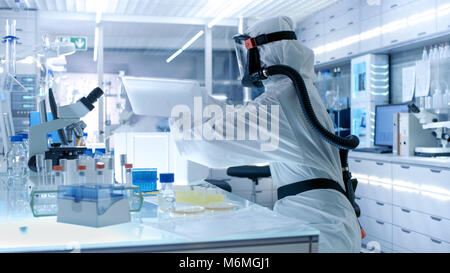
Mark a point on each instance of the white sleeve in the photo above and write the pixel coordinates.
(232, 136)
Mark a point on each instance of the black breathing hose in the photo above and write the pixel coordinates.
(348, 143)
(344, 144)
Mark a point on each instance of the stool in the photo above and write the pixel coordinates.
(251, 172)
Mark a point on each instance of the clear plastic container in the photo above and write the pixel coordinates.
(81, 174)
(166, 195)
(99, 169)
(16, 159)
(128, 174)
(58, 176)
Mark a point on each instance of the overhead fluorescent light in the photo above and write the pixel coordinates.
(233, 8)
(188, 44)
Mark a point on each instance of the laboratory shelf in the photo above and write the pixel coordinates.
(247, 228)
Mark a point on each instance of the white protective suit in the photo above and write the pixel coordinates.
(301, 154)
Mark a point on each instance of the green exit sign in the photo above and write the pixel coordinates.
(79, 42)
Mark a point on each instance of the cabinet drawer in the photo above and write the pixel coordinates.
(427, 178)
(375, 245)
(416, 242)
(370, 37)
(377, 228)
(421, 201)
(423, 21)
(375, 209)
(374, 190)
(433, 226)
(397, 249)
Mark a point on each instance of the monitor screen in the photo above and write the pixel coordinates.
(384, 116)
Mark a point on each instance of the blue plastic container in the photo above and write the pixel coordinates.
(145, 178)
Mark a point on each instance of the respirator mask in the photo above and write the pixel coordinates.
(248, 57)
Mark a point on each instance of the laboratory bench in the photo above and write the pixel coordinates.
(246, 228)
(404, 201)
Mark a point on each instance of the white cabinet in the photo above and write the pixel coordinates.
(388, 5)
(417, 218)
(370, 38)
(377, 228)
(424, 189)
(443, 15)
(375, 209)
(423, 21)
(416, 242)
(394, 26)
(434, 226)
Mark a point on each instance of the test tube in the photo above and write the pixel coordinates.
(48, 166)
(81, 174)
(123, 161)
(40, 169)
(99, 167)
(58, 175)
(128, 174)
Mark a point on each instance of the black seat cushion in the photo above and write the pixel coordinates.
(250, 172)
(221, 183)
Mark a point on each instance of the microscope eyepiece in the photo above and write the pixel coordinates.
(95, 95)
(92, 98)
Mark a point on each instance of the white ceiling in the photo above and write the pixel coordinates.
(159, 23)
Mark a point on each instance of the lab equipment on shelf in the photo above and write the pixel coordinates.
(166, 195)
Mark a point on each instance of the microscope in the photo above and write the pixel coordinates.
(67, 122)
(440, 130)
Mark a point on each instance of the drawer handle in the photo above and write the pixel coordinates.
(421, 34)
(435, 171)
(393, 6)
(436, 219)
(380, 204)
(317, 35)
(405, 167)
(332, 58)
(350, 53)
(350, 9)
(332, 30)
(379, 222)
(406, 231)
(405, 210)
(380, 163)
(358, 160)
(394, 41)
(357, 198)
(436, 241)
(332, 17)
(350, 23)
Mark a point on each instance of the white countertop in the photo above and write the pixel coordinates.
(441, 162)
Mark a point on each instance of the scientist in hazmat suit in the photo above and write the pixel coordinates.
(287, 142)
